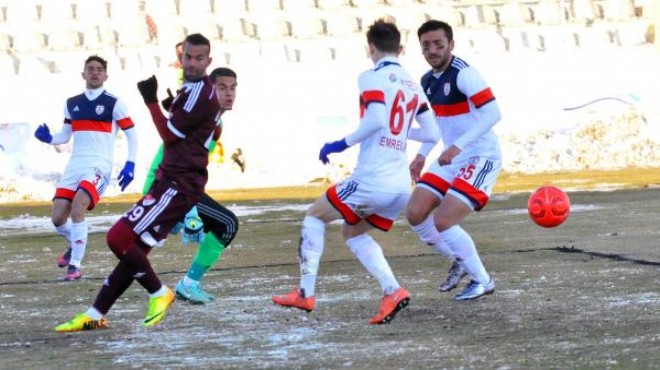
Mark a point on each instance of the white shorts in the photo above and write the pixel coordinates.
(90, 179)
(470, 179)
(378, 208)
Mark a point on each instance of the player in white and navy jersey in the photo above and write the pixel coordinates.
(93, 119)
(379, 188)
(462, 178)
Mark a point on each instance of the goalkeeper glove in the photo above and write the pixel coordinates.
(43, 134)
(333, 147)
(193, 227)
(148, 89)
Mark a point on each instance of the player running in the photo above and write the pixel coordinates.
(462, 179)
(379, 188)
(92, 119)
(218, 225)
(179, 185)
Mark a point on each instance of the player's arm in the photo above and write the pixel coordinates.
(373, 113)
(125, 123)
(64, 135)
(470, 83)
(148, 89)
(428, 131)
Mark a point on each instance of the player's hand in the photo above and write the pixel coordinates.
(167, 102)
(43, 134)
(333, 147)
(126, 175)
(149, 89)
(448, 155)
(416, 167)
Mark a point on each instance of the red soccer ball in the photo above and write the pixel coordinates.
(549, 206)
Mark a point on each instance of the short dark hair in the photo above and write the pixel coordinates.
(198, 39)
(222, 72)
(385, 36)
(434, 25)
(96, 58)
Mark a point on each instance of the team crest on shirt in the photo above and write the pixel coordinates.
(474, 161)
(446, 88)
(99, 109)
(392, 77)
(148, 200)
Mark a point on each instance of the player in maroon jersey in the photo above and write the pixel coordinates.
(179, 185)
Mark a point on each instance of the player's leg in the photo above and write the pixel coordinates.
(88, 193)
(112, 288)
(60, 218)
(149, 222)
(470, 191)
(426, 197)
(221, 226)
(310, 249)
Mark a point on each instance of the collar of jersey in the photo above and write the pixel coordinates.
(386, 61)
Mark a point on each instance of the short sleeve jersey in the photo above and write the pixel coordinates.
(95, 120)
(193, 117)
(383, 163)
(455, 96)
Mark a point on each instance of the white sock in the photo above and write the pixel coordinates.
(78, 242)
(65, 231)
(370, 254)
(159, 293)
(94, 313)
(431, 236)
(310, 251)
(189, 282)
(463, 248)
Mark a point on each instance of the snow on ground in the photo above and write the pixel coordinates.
(281, 125)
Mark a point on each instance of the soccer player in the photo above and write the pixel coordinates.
(462, 178)
(178, 186)
(220, 225)
(92, 119)
(379, 188)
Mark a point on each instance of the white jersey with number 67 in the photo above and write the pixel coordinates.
(389, 101)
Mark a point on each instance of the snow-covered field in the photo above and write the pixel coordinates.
(285, 112)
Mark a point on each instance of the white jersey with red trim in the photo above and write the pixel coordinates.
(382, 162)
(465, 107)
(94, 118)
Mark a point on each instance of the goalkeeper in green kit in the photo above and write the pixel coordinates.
(208, 223)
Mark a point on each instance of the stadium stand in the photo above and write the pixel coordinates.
(340, 25)
(123, 10)
(332, 4)
(140, 34)
(194, 8)
(91, 11)
(18, 12)
(298, 5)
(228, 6)
(7, 66)
(262, 6)
(28, 40)
(56, 11)
(307, 27)
(62, 38)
